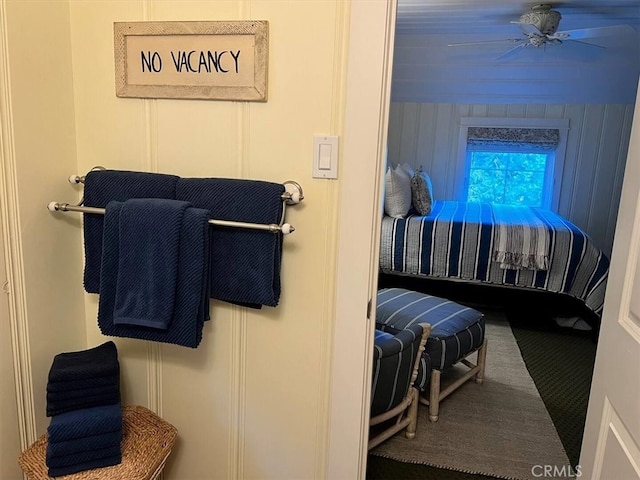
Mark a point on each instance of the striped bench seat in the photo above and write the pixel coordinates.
(457, 332)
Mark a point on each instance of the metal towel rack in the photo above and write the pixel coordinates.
(292, 195)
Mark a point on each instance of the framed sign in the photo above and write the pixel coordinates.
(192, 60)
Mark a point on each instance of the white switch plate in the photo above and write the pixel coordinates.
(325, 156)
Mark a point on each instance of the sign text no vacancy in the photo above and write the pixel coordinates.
(195, 60)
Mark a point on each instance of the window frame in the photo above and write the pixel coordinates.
(558, 158)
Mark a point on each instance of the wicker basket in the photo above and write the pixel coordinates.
(146, 444)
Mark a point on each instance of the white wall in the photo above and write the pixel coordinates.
(252, 400)
(9, 428)
(43, 255)
(427, 134)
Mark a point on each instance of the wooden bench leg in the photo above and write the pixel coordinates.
(481, 362)
(413, 415)
(434, 395)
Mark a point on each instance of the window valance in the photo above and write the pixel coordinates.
(541, 139)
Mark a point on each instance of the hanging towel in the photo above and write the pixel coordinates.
(85, 422)
(245, 264)
(100, 361)
(103, 186)
(148, 262)
(191, 307)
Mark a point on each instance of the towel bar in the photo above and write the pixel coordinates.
(285, 228)
(291, 196)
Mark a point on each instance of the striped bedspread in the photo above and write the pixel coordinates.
(458, 240)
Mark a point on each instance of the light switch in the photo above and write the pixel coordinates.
(324, 162)
(325, 156)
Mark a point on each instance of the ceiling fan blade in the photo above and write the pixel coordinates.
(593, 32)
(586, 43)
(527, 28)
(485, 42)
(511, 51)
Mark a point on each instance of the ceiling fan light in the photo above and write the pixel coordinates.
(543, 18)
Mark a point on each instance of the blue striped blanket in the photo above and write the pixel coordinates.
(459, 240)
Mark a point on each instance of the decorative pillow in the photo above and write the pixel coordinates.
(397, 195)
(421, 192)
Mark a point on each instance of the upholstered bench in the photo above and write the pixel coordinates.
(457, 332)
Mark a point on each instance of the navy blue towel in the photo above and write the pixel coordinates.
(191, 307)
(148, 269)
(85, 422)
(73, 392)
(245, 264)
(103, 186)
(84, 383)
(59, 403)
(83, 444)
(88, 465)
(100, 361)
(57, 461)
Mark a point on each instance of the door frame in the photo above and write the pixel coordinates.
(368, 92)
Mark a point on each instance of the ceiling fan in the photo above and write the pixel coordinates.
(540, 28)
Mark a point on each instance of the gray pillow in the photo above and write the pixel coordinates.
(421, 192)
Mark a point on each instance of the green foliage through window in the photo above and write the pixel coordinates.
(512, 178)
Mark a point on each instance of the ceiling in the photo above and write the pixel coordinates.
(427, 69)
(492, 17)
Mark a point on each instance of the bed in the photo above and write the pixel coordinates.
(520, 247)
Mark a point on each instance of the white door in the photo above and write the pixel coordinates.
(611, 445)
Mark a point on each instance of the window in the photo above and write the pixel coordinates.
(516, 161)
(513, 177)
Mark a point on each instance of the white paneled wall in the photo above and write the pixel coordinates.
(253, 400)
(427, 134)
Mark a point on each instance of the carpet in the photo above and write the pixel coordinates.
(500, 428)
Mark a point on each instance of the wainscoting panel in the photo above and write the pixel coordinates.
(426, 134)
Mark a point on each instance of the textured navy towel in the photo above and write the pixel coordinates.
(72, 392)
(100, 361)
(58, 404)
(103, 186)
(83, 444)
(148, 261)
(191, 306)
(85, 422)
(245, 264)
(56, 461)
(84, 383)
(88, 465)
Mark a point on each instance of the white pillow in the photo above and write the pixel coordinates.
(397, 196)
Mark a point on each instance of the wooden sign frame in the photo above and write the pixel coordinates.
(226, 60)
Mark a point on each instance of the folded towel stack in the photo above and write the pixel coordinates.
(83, 399)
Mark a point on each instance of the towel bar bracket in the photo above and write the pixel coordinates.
(293, 192)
